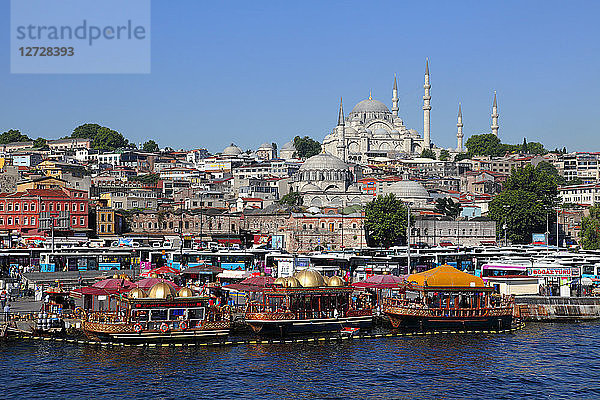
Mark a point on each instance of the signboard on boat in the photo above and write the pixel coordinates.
(558, 272)
(285, 266)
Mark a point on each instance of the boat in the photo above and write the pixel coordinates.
(306, 303)
(159, 315)
(444, 298)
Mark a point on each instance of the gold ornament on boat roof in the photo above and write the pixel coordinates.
(279, 281)
(153, 275)
(161, 290)
(290, 281)
(185, 292)
(136, 293)
(310, 278)
(336, 281)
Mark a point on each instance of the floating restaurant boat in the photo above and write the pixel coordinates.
(445, 298)
(306, 303)
(160, 315)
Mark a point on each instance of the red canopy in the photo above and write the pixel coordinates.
(114, 285)
(147, 283)
(379, 282)
(94, 291)
(165, 269)
(261, 281)
(243, 288)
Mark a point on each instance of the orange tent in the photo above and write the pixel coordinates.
(447, 277)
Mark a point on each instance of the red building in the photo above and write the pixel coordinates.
(376, 186)
(33, 211)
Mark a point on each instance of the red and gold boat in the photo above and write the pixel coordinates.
(445, 298)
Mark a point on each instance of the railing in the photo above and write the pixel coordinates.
(405, 307)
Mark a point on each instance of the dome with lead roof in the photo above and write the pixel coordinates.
(324, 162)
(370, 105)
(232, 150)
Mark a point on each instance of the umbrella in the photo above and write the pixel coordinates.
(149, 282)
(261, 281)
(114, 285)
(380, 282)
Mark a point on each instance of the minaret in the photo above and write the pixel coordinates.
(459, 132)
(395, 108)
(426, 109)
(495, 126)
(341, 130)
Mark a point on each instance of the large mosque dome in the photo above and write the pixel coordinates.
(370, 105)
(232, 150)
(323, 162)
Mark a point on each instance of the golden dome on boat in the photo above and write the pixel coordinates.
(116, 276)
(185, 292)
(136, 293)
(161, 290)
(290, 281)
(153, 275)
(310, 278)
(125, 277)
(279, 281)
(446, 276)
(336, 281)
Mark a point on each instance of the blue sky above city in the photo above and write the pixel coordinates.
(254, 72)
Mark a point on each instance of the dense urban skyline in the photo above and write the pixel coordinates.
(254, 74)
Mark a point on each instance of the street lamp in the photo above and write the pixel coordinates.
(408, 204)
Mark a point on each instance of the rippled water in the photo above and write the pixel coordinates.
(541, 361)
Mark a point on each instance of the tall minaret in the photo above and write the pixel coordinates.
(341, 131)
(395, 98)
(459, 132)
(495, 126)
(426, 109)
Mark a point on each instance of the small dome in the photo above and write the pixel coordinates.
(336, 281)
(185, 292)
(266, 146)
(289, 146)
(370, 105)
(323, 162)
(408, 190)
(279, 281)
(290, 281)
(310, 278)
(116, 276)
(232, 150)
(153, 275)
(136, 293)
(161, 290)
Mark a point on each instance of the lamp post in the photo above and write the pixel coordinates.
(408, 235)
(557, 231)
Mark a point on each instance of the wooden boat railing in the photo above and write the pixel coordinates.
(406, 307)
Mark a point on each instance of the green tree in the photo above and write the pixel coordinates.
(291, 199)
(461, 156)
(486, 144)
(536, 148)
(448, 207)
(386, 220)
(444, 155)
(428, 153)
(40, 143)
(13, 135)
(526, 199)
(590, 229)
(150, 179)
(103, 138)
(306, 147)
(150, 146)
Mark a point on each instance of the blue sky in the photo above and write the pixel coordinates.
(254, 72)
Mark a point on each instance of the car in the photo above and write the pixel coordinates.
(419, 245)
(446, 244)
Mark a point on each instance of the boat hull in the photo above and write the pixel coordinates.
(303, 326)
(422, 319)
(125, 333)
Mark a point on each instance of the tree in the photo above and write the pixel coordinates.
(40, 143)
(150, 179)
(306, 147)
(448, 207)
(444, 155)
(536, 148)
(386, 220)
(291, 199)
(526, 199)
(103, 138)
(13, 135)
(461, 156)
(486, 144)
(150, 146)
(428, 153)
(590, 229)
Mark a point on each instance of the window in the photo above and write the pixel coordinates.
(102, 228)
(16, 206)
(9, 206)
(82, 221)
(9, 221)
(82, 207)
(102, 217)
(74, 221)
(32, 220)
(1, 206)
(51, 206)
(57, 206)
(25, 207)
(17, 221)
(109, 228)
(74, 207)
(109, 216)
